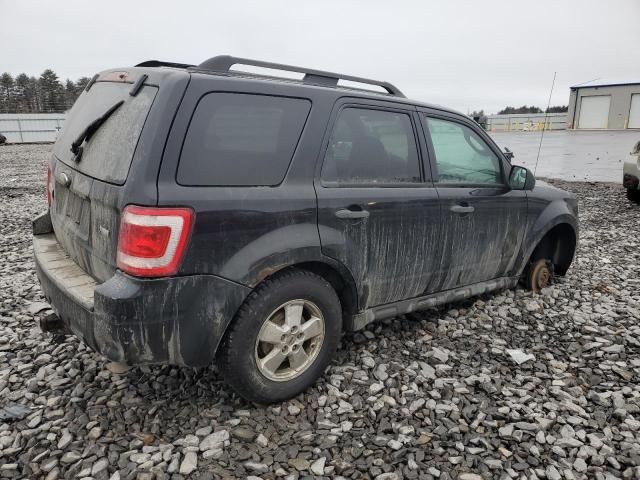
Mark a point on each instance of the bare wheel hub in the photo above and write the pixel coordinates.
(289, 340)
(540, 275)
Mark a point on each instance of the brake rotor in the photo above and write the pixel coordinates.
(540, 275)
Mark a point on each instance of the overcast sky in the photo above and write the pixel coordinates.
(465, 54)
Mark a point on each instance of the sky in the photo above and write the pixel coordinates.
(464, 54)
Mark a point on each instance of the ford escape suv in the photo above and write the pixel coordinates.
(199, 213)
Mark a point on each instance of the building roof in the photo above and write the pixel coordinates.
(606, 82)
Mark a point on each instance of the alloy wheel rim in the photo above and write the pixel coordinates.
(289, 340)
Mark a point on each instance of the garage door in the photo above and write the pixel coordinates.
(594, 112)
(634, 113)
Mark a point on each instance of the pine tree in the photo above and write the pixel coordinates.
(22, 104)
(6, 93)
(51, 92)
(70, 94)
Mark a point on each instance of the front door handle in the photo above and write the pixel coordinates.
(462, 209)
(347, 213)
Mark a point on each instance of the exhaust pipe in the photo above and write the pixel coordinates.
(52, 323)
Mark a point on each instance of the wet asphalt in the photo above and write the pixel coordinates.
(595, 156)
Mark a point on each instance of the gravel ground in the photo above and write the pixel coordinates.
(440, 394)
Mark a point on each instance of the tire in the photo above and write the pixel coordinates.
(240, 352)
(633, 195)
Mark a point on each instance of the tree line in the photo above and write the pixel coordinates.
(533, 109)
(45, 94)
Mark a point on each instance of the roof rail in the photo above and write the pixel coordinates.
(223, 63)
(160, 63)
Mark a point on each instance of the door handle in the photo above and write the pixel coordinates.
(462, 209)
(348, 213)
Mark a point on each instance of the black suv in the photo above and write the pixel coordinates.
(200, 213)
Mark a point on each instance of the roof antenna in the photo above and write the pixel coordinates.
(544, 126)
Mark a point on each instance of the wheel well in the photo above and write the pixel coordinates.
(559, 246)
(346, 290)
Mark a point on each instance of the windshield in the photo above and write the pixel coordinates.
(108, 153)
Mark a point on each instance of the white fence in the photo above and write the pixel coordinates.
(31, 127)
(526, 122)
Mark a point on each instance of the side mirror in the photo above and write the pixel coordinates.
(508, 154)
(521, 178)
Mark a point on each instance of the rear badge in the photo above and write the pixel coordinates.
(103, 230)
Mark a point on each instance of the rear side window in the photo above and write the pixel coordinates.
(241, 140)
(371, 147)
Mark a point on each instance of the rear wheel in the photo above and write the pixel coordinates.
(539, 275)
(633, 195)
(282, 338)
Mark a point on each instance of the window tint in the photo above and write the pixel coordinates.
(461, 155)
(237, 139)
(371, 146)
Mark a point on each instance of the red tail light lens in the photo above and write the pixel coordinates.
(152, 240)
(49, 185)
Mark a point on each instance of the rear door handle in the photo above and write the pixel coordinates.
(462, 209)
(346, 213)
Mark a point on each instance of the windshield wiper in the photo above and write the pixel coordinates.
(85, 136)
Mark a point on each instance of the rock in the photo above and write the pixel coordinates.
(189, 463)
(441, 355)
(215, 440)
(37, 307)
(262, 441)
(299, 464)
(99, 466)
(317, 467)
(553, 473)
(387, 476)
(14, 411)
(369, 363)
(580, 465)
(244, 434)
(256, 467)
(520, 357)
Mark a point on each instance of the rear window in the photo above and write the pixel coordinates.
(108, 153)
(241, 140)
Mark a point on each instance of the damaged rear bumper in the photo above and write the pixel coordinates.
(175, 320)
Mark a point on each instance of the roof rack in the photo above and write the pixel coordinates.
(160, 63)
(223, 63)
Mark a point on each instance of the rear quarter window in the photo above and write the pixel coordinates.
(241, 140)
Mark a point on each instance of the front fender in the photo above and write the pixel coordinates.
(556, 212)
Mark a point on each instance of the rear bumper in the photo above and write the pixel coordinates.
(175, 320)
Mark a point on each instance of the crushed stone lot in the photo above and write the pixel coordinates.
(508, 385)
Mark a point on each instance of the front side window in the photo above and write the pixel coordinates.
(462, 157)
(241, 140)
(371, 147)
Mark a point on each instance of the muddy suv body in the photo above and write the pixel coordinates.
(198, 212)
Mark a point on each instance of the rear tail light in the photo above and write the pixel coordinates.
(152, 240)
(49, 185)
